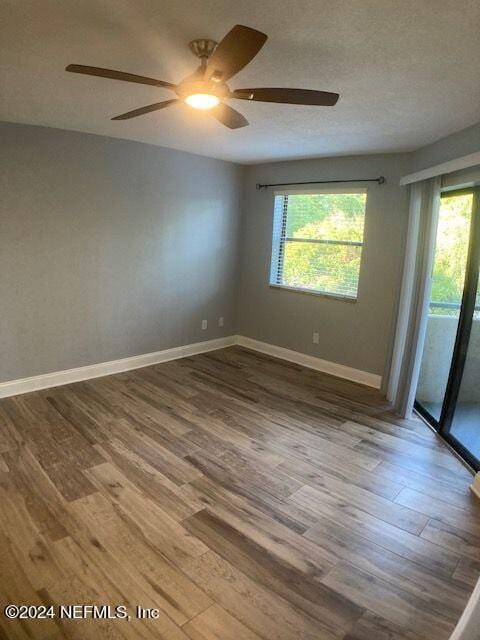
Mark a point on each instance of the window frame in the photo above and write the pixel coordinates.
(279, 241)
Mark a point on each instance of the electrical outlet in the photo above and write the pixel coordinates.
(204, 324)
(316, 337)
(220, 321)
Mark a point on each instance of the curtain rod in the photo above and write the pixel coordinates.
(379, 180)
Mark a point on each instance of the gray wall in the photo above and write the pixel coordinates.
(458, 144)
(354, 334)
(110, 248)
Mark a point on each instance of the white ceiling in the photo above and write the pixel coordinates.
(408, 71)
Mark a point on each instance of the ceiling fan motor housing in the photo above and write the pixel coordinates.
(202, 47)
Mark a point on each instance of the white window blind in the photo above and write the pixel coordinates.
(318, 240)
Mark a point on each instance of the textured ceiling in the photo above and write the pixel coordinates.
(407, 72)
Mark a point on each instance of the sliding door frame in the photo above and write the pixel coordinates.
(462, 339)
(464, 330)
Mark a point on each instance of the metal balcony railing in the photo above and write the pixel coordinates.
(454, 306)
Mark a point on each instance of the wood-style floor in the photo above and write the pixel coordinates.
(242, 496)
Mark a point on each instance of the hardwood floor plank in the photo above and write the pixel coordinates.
(319, 474)
(468, 572)
(64, 465)
(422, 464)
(265, 567)
(233, 474)
(217, 440)
(63, 403)
(169, 464)
(147, 405)
(452, 538)
(39, 493)
(70, 482)
(30, 548)
(328, 451)
(455, 489)
(10, 429)
(216, 624)
(16, 588)
(265, 613)
(154, 524)
(394, 434)
(390, 446)
(466, 518)
(395, 514)
(168, 495)
(373, 627)
(390, 602)
(58, 431)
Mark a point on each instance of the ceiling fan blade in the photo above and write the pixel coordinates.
(117, 75)
(228, 116)
(287, 96)
(148, 109)
(234, 52)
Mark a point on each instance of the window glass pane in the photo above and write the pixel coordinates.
(322, 267)
(317, 241)
(451, 251)
(450, 255)
(331, 216)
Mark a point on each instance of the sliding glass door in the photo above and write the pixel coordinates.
(448, 392)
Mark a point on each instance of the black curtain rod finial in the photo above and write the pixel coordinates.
(380, 180)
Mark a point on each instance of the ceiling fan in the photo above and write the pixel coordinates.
(207, 87)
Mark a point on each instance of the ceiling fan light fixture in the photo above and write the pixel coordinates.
(202, 100)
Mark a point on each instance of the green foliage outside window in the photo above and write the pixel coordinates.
(451, 253)
(330, 268)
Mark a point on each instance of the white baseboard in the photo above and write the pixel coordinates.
(58, 378)
(312, 362)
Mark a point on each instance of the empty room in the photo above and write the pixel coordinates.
(239, 320)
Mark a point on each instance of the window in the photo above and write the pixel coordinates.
(318, 241)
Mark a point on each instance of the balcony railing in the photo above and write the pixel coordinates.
(453, 306)
(437, 355)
